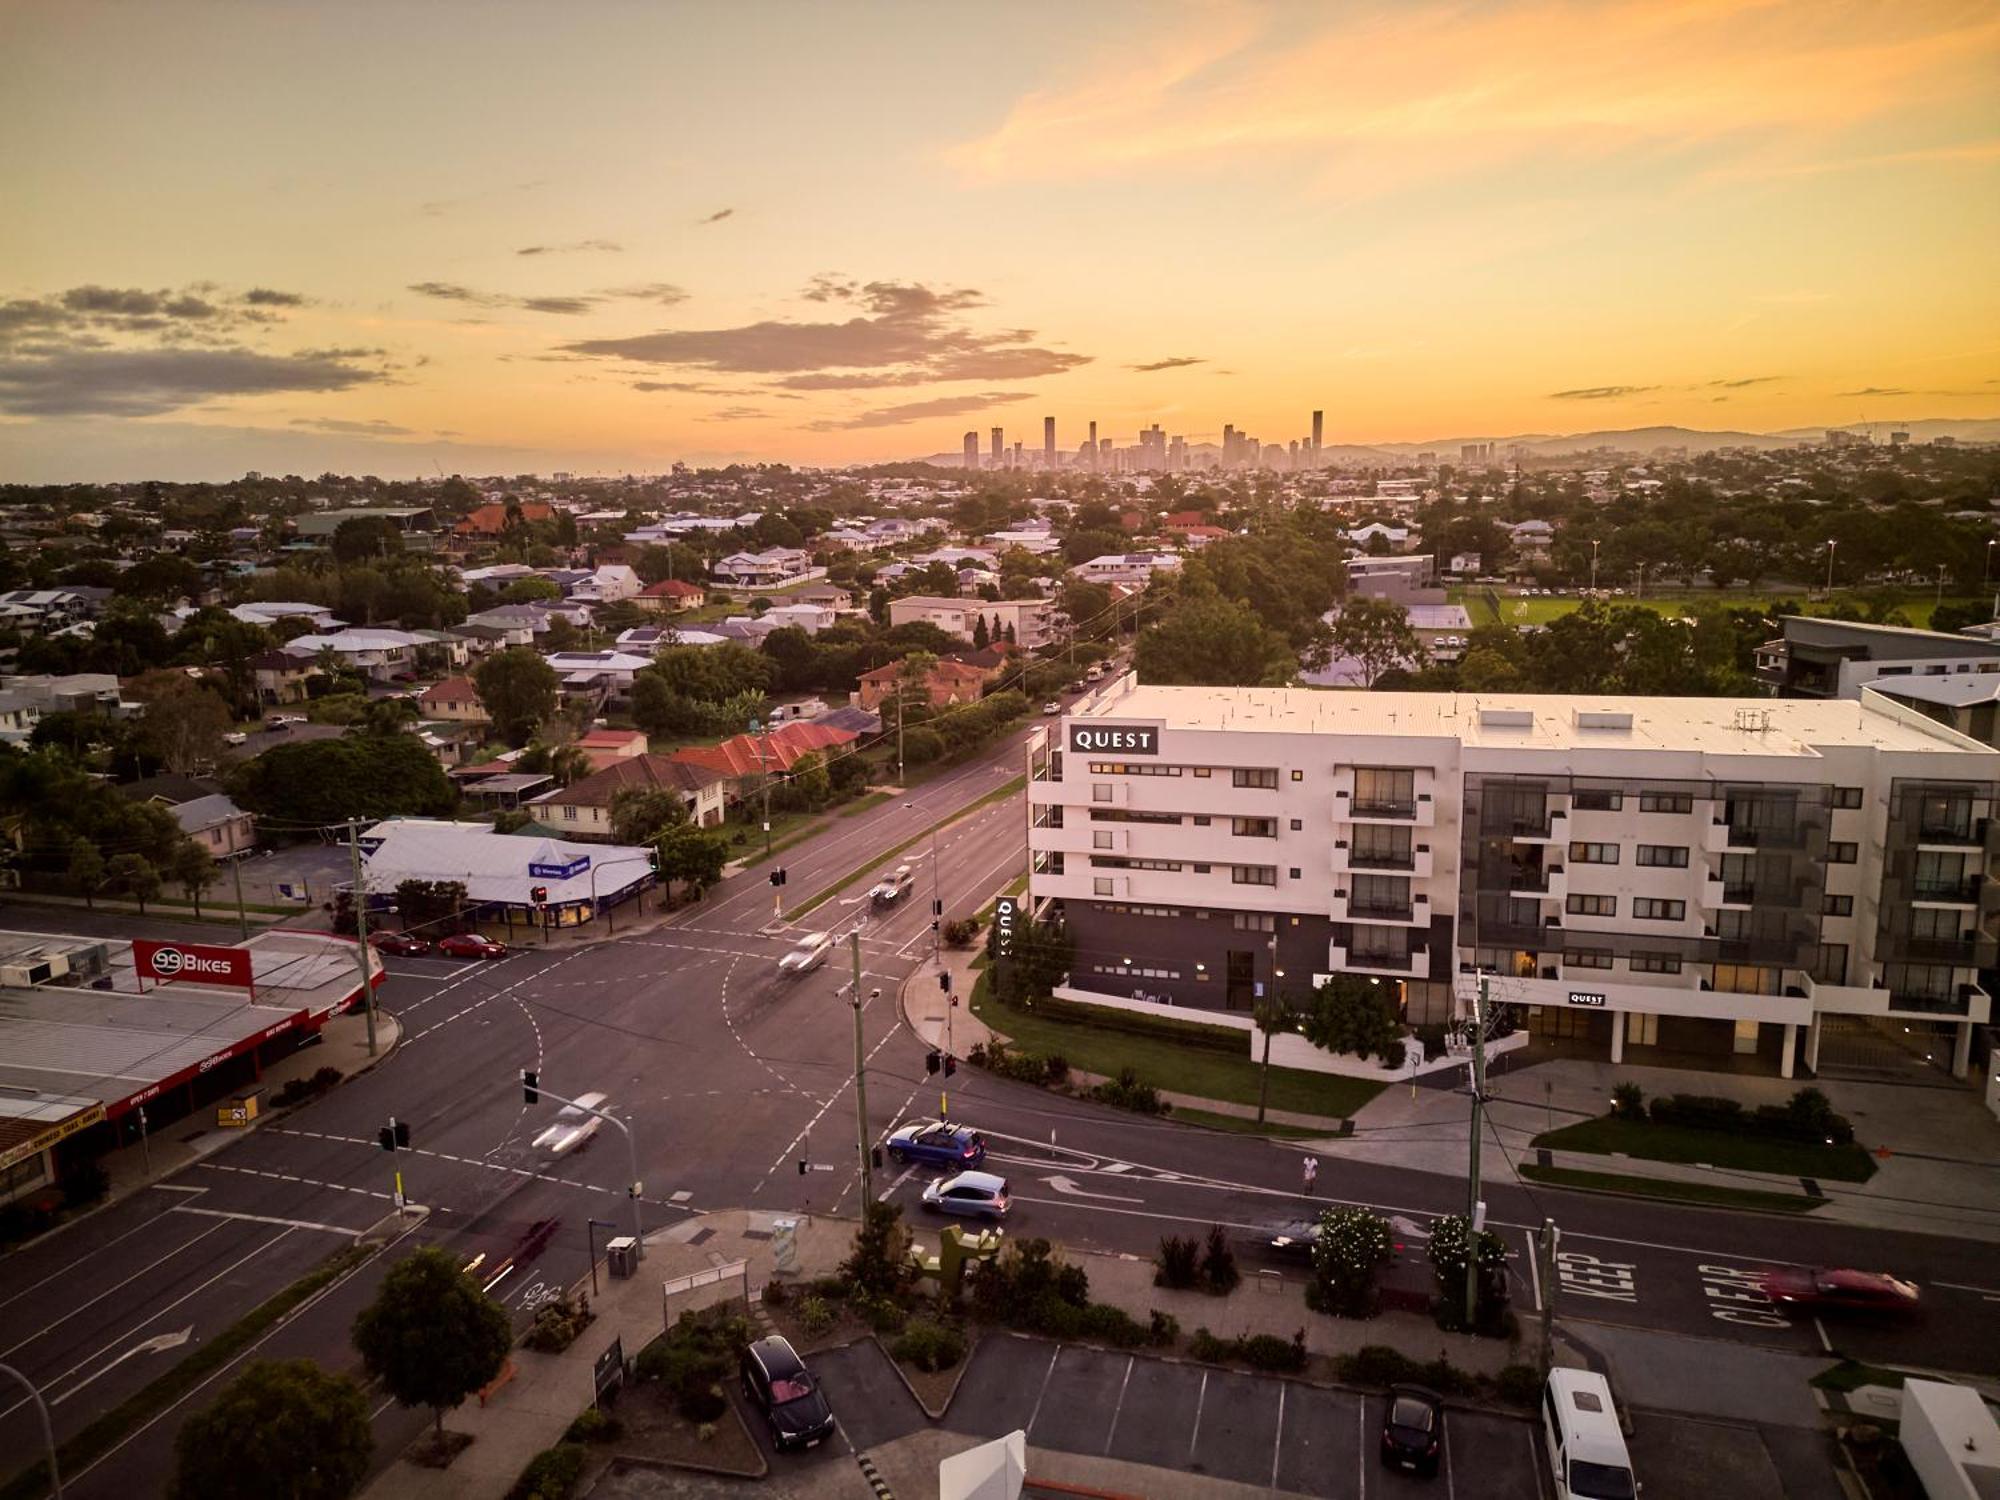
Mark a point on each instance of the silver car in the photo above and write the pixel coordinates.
(811, 951)
(572, 1127)
(968, 1195)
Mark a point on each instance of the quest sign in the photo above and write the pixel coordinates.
(195, 962)
(1123, 739)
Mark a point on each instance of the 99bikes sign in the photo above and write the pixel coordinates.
(197, 963)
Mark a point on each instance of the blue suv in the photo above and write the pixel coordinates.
(958, 1147)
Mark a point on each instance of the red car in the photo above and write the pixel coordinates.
(399, 943)
(471, 945)
(1818, 1290)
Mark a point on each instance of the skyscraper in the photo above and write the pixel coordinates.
(1319, 432)
(997, 450)
(1093, 445)
(972, 450)
(1049, 442)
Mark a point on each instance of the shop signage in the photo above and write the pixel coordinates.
(1586, 997)
(1121, 739)
(1006, 913)
(575, 867)
(199, 963)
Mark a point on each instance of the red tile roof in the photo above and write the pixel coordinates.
(672, 588)
(451, 690)
(748, 754)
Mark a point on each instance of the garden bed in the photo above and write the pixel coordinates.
(654, 1433)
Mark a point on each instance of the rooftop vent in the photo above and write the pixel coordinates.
(1603, 718)
(1506, 718)
(1753, 720)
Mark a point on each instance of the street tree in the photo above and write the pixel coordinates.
(1351, 1014)
(431, 1336)
(281, 1427)
(638, 814)
(1376, 634)
(694, 856)
(430, 905)
(135, 875)
(191, 868)
(184, 721)
(1209, 640)
(86, 870)
(518, 690)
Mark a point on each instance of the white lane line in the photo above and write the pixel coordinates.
(223, 1213)
(161, 1187)
(143, 1271)
(1194, 1433)
(1450, 1488)
(72, 1264)
(1534, 1271)
(1278, 1442)
(1111, 1435)
(1824, 1342)
(1991, 1294)
(1361, 1447)
(1039, 1394)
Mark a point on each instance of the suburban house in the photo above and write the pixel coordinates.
(1126, 567)
(827, 595)
(281, 676)
(745, 759)
(946, 682)
(417, 523)
(607, 672)
(1028, 619)
(811, 618)
(582, 810)
(376, 654)
(491, 519)
(670, 596)
(610, 583)
(762, 569)
(202, 809)
(19, 713)
(281, 612)
(507, 625)
(605, 746)
(455, 700)
(1395, 538)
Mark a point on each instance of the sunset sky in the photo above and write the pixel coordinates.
(400, 239)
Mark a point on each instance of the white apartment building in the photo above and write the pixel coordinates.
(1030, 619)
(1707, 876)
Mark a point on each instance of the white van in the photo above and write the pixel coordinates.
(1580, 1430)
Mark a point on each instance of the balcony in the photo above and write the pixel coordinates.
(1970, 835)
(1419, 863)
(1554, 829)
(1544, 881)
(1414, 913)
(1956, 1002)
(1348, 961)
(1963, 949)
(1947, 892)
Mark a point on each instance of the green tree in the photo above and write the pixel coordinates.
(1352, 1247)
(981, 638)
(431, 1336)
(1042, 955)
(184, 721)
(1351, 1014)
(1376, 634)
(191, 868)
(86, 870)
(163, 576)
(381, 716)
(279, 1428)
(328, 781)
(135, 875)
(365, 539)
(566, 763)
(694, 856)
(430, 904)
(519, 692)
(1209, 640)
(529, 590)
(638, 814)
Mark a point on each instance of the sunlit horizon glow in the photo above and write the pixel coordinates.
(405, 240)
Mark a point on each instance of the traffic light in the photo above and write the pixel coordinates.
(387, 1136)
(539, 895)
(950, 1065)
(402, 1135)
(530, 1086)
(944, 980)
(931, 1062)
(802, 1166)
(937, 907)
(778, 876)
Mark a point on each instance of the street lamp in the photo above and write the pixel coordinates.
(1593, 565)
(1830, 545)
(48, 1433)
(630, 859)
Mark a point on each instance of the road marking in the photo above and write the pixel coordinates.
(143, 1271)
(71, 1264)
(223, 1213)
(1069, 1189)
(1450, 1489)
(1534, 1271)
(1736, 1295)
(1044, 1390)
(1112, 1433)
(1277, 1442)
(338, 1187)
(1194, 1433)
(1589, 1276)
(160, 1187)
(1991, 1294)
(1361, 1447)
(158, 1344)
(1824, 1342)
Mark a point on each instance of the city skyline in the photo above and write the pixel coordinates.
(609, 247)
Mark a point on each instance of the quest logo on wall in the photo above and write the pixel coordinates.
(1089, 738)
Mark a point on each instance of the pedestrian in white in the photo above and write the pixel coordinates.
(1312, 1172)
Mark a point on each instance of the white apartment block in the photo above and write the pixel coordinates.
(1691, 875)
(1029, 618)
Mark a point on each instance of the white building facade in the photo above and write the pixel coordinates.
(1701, 876)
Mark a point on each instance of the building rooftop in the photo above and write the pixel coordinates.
(1775, 726)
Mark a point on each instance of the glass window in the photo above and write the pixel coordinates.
(1597, 799)
(1100, 791)
(1253, 874)
(1837, 906)
(1378, 893)
(1655, 910)
(1666, 802)
(1101, 839)
(1381, 844)
(1847, 796)
(1669, 856)
(1267, 779)
(1594, 854)
(1746, 979)
(1592, 906)
(1842, 853)
(1254, 828)
(1656, 963)
(1587, 958)
(1387, 790)
(1830, 964)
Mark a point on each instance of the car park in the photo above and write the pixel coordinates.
(893, 887)
(968, 1195)
(943, 1144)
(403, 944)
(572, 1127)
(471, 945)
(777, 1382)
(1413, 1430)
(1819, 1290)
(807, 954)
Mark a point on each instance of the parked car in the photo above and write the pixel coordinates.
(944, 1144)
(893, 887)
(968, 1195)
(1413, 1430)
(777, 1382)
(572, 1126)
(235, 737)
(1051, 708)
(811, 951)
(400, 943)
(471, 945)
(1818, 1290)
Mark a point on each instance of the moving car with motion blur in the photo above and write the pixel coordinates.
(1817, 1290)
(572, 1127)
(400, 943)
(471, 945)
(810, 952)
(968, 1195)
(892, 887)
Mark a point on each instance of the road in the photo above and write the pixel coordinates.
(731, 1077)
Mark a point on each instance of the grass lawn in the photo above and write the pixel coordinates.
(787, 828)
(862, 804)
(1677, 1192)
(1717, 1148)
(1540, 610)
(1170, 1064)
(1243, 1125)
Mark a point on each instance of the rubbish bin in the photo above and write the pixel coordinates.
(622, 1255)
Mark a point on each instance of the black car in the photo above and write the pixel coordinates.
(1413, 1430)
(778, 1384)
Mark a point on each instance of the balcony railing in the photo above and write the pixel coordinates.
(1372, 807)
(1381, 910)
(1382, 859)
(1400, 962)
(1965, 892)
(1960, 949)
(1956, 1003)
(1956, 835)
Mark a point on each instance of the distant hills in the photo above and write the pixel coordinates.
(1623, 440)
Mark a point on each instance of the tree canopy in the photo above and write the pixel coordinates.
(356, 776)
(279, 1428)
(518, 690)
(431, 1336)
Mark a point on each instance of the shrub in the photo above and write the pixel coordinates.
(1127, 1092)
(1628, 1102)
(1101, 1320)
(1698, 1111)
(1376, 1365)
(702, 1403)
(1266, 1351)
(297, 1090)
(1218, 1264)
(1179, 1262)
(556, 1325)
(550, 1474)
(960, 932)
(1209, 1349)
(881, 1314)
(594, 1425)
(879, 1263)
(1055, 1068)
(1451, 1245)
(1518, 1385)
(815, 1316)
(776, 1294)
(930, 1346)
(1444, 1377)
(1164, 1331)
(1352, 1247)
(830, 1288)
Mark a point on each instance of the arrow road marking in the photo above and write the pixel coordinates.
(1069, 1189)
(159, 1343)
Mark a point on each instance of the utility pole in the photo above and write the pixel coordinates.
(860, 1075)
(48, 1433)
(1545, 1250)
(937, 905)
(1266, 1020)
(1472, 1204)
(242, 920)
(361, 931)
